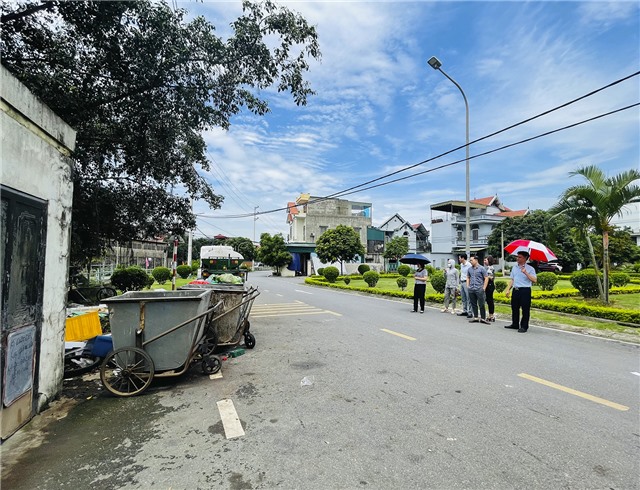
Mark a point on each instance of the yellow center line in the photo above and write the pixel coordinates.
(398, 334)
(571, 391)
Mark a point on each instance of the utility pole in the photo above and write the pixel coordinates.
(255, 218)
(190, 243)
(175, 264)
(502, 249)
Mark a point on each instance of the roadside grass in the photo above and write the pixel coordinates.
(167, 285)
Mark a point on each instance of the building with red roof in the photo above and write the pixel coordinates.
(448, 226)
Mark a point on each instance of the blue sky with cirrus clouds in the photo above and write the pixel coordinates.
(379, 108)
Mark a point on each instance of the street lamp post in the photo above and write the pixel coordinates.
(436, 65)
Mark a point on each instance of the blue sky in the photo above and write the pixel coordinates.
(379, 107)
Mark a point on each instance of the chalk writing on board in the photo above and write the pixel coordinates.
(18, 373)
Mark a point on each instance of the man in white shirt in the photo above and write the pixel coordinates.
(464, 291)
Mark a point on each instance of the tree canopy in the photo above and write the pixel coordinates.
(542, 227)
(396, 248)
(140, 82)
(339, 244)
(593, 204)
(273, 251)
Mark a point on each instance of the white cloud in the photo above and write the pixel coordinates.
(379, 107)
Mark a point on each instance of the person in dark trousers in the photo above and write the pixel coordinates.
(491, 287)
(464, 292)
(523, 276)
(476, 284)
(419, 288)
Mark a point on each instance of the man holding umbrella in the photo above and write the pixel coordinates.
(523, 276)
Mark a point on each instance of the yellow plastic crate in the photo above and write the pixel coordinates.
(82, 327)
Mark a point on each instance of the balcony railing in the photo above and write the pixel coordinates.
(477, 218)
(480, 241)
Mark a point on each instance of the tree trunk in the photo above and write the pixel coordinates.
(605, 265)
(595, 267)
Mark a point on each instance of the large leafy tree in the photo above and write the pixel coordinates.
(596, 202)
(140, 82)
(273, 251)
(339, 244)
(622, 247)
(396, 248)
(541, 227)
(243, 246)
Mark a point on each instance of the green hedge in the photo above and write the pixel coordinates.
(331, 273)
(574, 308)
(371, 278)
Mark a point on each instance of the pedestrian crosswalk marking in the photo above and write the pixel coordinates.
(287, 309)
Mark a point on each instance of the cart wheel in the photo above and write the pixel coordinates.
(249, 340)
(127, 371)
(211, 364)
(106, 292)
(209, 342)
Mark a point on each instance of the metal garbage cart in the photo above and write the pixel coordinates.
(231, 323)
(156, 334)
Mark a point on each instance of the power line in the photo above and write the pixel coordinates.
(356, 189)
(224, 181)
(566, 104)
(527, 140)
(361, 187)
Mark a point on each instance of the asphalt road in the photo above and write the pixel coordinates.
(396, 400)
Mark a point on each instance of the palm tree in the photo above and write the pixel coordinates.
(595, 204)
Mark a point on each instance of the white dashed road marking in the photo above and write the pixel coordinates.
(230, 421)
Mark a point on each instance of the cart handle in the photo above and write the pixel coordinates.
(254, 294)
(173, 329)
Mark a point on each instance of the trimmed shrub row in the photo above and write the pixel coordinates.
(131, 279)
(574, 308)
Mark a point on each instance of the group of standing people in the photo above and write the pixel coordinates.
(475, 285)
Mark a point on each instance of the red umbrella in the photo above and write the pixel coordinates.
(536, 251)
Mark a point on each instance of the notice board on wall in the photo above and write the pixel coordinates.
(18, 366)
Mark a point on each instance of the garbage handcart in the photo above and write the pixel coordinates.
(231, 325)
(156, 334)
(161, 333)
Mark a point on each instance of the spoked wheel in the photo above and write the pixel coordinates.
(211, 364)
(209, 341)
(127, 371)
(106, 292)
(249, 340)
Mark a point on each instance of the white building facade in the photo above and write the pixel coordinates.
(448, 227)
(416, 234)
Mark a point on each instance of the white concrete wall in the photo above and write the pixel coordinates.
(35, 148)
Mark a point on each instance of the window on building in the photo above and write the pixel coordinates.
(322, 229)
(474, 234)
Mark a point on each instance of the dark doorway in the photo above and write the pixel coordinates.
(22, 252)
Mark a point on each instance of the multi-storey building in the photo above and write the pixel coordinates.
(629, 218)
(309, 217)
(416, 234)
(448, 227)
